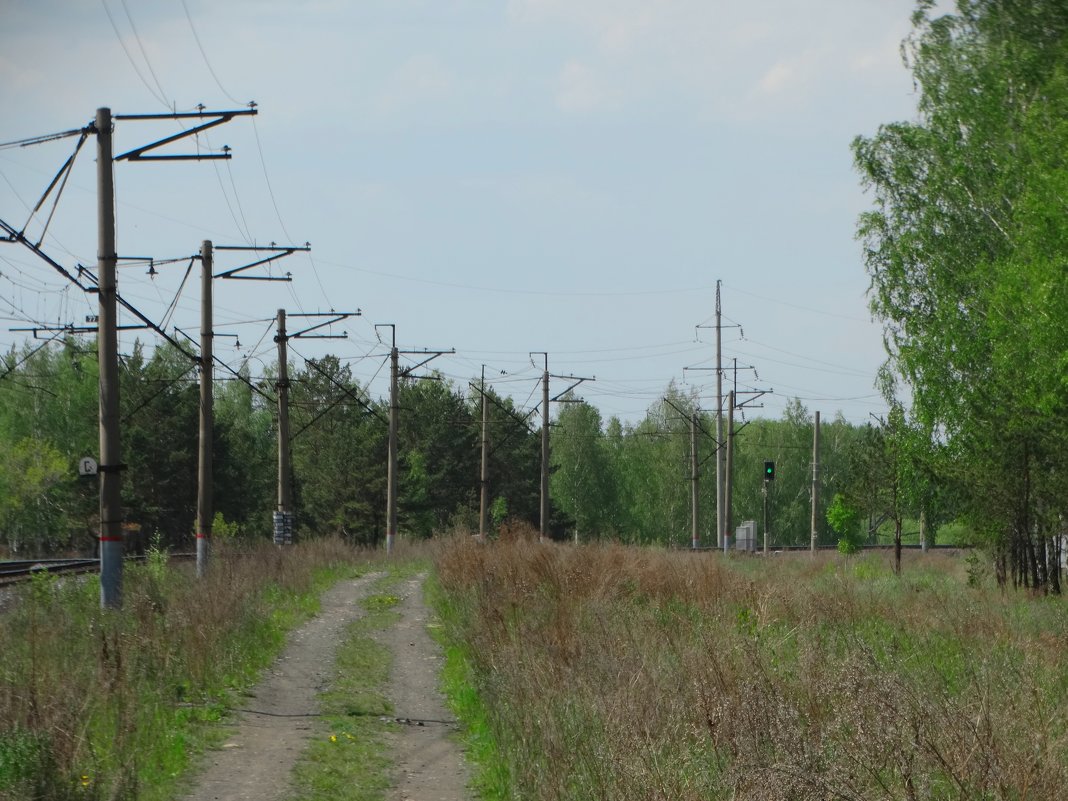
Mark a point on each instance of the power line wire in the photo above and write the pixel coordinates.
(204, 54)
(144, 53)
(129, 56)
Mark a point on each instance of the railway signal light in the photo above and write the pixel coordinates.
(769, 471)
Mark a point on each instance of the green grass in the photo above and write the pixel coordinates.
(102, 705)
(458, 683)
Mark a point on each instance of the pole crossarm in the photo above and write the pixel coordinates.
(279, 251)
(430, 356)
(214, 118)
(750, 403)
(70, 328)
(577, 380)
(334, 317)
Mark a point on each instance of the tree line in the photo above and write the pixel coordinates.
(609, 479)
(966, 247)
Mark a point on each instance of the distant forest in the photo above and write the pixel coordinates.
(608, 479)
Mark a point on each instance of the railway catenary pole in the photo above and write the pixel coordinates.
(483, 495)
(695, 537)
(543, 529)
(728, 487)
(391, 469)
(815, 481)
(108, 359)
(720, 533)
(207, 417)
(285, 470)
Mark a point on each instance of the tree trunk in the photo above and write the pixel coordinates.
(1058, 550)
(897, 545)
(1001, 566)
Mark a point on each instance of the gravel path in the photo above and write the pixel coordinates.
(429, 765)
(256, 761)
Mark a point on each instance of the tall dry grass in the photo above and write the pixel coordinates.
(112, 705)
(624, 673)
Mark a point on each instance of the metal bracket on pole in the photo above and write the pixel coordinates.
(335, 317)
(577, 381)
(279, 251)
(215, 118)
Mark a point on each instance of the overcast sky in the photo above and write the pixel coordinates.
(569, 176)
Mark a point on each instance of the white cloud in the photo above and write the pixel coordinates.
(727, 59)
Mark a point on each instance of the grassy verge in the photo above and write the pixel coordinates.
(116, 705)
(459, 683)
(348, 760)
(609, 672)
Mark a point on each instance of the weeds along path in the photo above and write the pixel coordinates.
(278, 719)
(428, 762)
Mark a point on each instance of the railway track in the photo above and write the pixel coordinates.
(16, 571)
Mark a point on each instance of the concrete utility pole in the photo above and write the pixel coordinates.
(283, 517)
(394, 410)
(543, 528)
(815, 481)
(391, 469)
(483, 495)
(720, 533)
(695, 503)
(207, 417)
(108, 359)
(111, 535)
(728, 488)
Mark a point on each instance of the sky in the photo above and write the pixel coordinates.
(499, 178)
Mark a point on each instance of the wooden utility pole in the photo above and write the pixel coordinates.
(728, 488)
(695, 537)
(815, 481)
(207, 418)
(283, 523)
(108, 360)
(483, 495)
(543, 528)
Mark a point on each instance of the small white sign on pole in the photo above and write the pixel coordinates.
(87, 466)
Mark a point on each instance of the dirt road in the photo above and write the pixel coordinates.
(280, 717)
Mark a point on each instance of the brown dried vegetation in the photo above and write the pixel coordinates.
(622, 673)
(113, 705)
